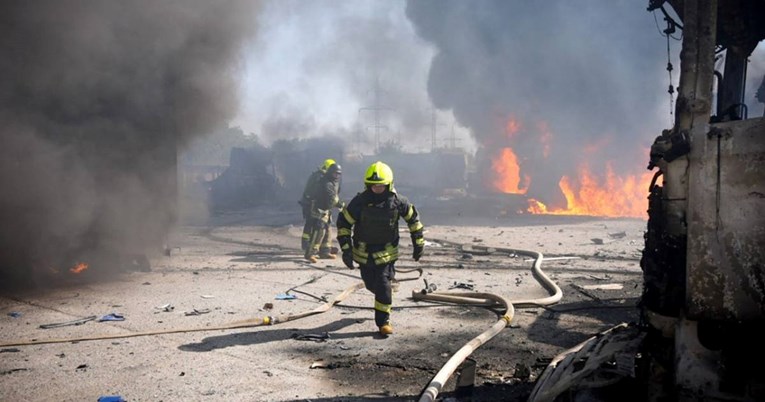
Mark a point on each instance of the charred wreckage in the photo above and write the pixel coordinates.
(703, 304)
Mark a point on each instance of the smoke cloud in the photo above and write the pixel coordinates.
(94, 100)
(324, 59)
(562, 83)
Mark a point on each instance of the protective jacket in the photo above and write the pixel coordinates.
(325, 197)
(311, 186)
(369, 226)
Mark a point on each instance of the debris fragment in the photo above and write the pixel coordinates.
(285, 296)
(112, 317)
(111, 398)
(268, 306)
(462, 285)
(14, 314)
(617, 235)
(198, 312)
(11, 371)
(311, 337)
(9, 350)
(597, 240)
(166, 307)
(78, 321)
(604, 286)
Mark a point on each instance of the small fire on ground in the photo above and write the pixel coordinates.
(78, 268)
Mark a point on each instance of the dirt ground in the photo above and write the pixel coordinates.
(241, 265)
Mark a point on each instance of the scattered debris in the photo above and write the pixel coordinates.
(166, 307)
(111, 398)
(112, 317)
(78, 321)
(14, 314)
(197, 312)
(597, 240)
(462, 285)
(82, 367)
(617, 235)
(268, 306)
(522, 372)
(604, 286)
(311, 337)
(285, 296)
(11, 371)
(207, 296)
(585, 292)
(9, 350)
(318, 364)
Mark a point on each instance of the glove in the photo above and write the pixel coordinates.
(348, 259)
(417, 253)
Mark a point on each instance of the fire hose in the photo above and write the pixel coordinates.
(484, 299)
(430, 393)
(249, 323)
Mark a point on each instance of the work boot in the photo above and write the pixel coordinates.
(311, 258)
(386, 329)
(327, 256)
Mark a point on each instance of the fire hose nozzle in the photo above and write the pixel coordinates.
(429, 287)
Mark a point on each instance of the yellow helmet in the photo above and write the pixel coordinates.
(378, 173)
(327, 163)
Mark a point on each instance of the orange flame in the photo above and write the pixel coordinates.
(618, 196)
(508, 179)
(79, 267)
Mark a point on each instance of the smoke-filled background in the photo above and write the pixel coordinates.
(97, 97)
(574, 90)
(94, 98)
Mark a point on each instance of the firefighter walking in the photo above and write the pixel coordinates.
(325, 197)
(306, 201)
(367, 230)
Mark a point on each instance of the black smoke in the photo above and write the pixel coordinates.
(588, 75)
(95, 99)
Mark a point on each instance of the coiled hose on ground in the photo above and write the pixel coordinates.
(485, 299)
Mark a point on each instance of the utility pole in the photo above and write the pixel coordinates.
(453, 138)
(376, 108)
(433, 125)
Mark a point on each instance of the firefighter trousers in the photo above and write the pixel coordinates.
(377, 279)
(319, 237)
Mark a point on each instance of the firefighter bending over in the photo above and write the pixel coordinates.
(325, 197)
(367, 230)
(307, 200)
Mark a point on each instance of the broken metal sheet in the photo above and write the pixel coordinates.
(599, 361)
